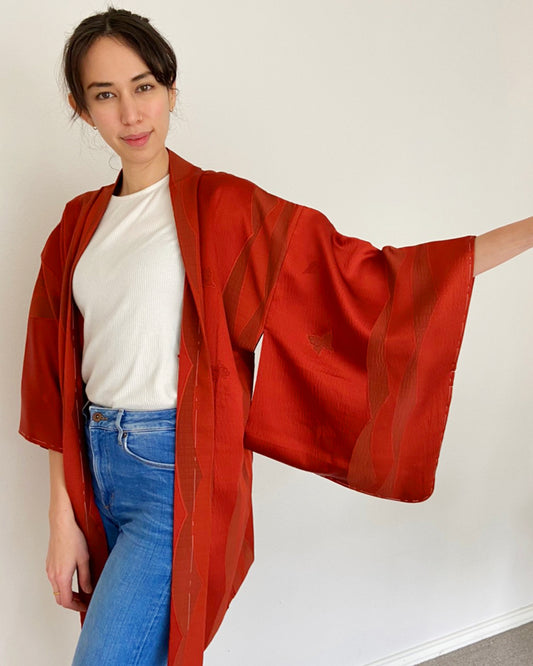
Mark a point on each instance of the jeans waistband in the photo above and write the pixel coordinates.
(129, 419)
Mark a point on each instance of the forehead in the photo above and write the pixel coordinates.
(110, 60)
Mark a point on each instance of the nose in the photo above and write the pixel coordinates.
(130, 113)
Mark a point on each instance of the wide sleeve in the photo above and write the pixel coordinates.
(41, 408)
(358, 356)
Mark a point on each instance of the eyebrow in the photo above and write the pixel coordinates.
(107, 84)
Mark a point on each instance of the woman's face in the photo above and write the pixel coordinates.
(127, 105)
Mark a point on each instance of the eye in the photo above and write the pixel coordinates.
(145, 87)
(104, 95)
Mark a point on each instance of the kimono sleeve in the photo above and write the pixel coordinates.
(359, 351)
(41, 408)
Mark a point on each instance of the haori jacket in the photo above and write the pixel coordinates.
(359, 350)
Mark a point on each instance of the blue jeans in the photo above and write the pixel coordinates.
(131, 455)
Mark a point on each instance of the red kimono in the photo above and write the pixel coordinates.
(354, 383)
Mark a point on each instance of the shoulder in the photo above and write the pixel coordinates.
(225, 196)
(80, 204)
(60, 237)
(217, 187)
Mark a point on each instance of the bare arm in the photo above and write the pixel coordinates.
(67, 548)
(499, 245)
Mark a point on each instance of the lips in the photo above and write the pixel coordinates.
(137, 140)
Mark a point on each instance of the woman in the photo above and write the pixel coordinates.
(150, 459)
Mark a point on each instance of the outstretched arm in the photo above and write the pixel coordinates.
(499, 245)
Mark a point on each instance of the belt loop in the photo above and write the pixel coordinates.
(85, 410)
(120, 414)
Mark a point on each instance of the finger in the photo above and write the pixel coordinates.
(84, 577)
(55, 587)
(74, 602)
(77, 603)
(65, 591)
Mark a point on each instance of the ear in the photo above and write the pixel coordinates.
(172, 92)
(83, 115)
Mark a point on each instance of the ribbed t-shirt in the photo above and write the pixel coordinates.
(128, 285)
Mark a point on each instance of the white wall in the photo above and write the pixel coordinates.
(403, 122)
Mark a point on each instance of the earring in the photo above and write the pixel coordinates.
(94, 127)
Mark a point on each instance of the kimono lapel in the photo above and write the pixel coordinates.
(194, 435)
(184, 178)
(70, 336)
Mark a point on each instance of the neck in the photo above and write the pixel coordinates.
(136, 177)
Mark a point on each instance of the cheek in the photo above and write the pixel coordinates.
(161, 110)
(103, 117)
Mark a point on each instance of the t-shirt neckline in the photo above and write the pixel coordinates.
(145, 190)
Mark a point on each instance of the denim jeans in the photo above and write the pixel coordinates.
(131, 455)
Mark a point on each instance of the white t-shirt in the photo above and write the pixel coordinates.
(128, 285)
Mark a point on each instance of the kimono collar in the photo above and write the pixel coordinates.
(178, 169)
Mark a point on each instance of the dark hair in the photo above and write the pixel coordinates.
(133, 30)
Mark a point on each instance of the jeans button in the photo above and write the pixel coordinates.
(98, 416)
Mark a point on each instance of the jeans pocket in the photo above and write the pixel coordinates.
(154, 448)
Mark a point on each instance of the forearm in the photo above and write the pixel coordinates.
(67, 547)
(60, 505)
(499, 245)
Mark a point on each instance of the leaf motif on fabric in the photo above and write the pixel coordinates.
(320, 342)
(219, 370)
(313, 267)
(207, 279)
